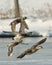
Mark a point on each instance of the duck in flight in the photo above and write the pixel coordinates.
(33, 49)
(22, 23)
(18, 38)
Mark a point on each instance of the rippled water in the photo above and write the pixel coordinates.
(41, 57)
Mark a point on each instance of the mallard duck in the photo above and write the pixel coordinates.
(33, 49)
(19, 36)
(21, 21)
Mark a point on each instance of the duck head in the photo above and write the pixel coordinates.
(24, 18)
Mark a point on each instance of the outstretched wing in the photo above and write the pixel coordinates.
(24, 53)
(13, 25)
(22, 27)
(10, 50)
(24, 23)
(40, 42)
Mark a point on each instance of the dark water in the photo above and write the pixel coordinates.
(41, 57)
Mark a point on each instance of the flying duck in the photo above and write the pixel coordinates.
(19, 36)
(16, 40)
(21, 21)
(33, 49)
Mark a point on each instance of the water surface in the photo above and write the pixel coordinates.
(41, 57)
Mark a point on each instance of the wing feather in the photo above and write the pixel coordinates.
(40, 42)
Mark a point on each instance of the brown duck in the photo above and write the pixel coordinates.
(22, 22)
(33, 49)
(19, 36)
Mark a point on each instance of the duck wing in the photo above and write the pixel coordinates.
(23, 25)
(40, 42)
(14, 23)
(24, 53)
(13, 27)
